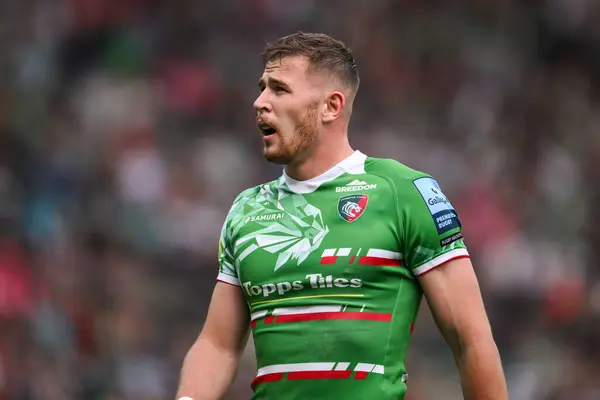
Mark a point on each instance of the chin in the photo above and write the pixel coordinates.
(276, 157)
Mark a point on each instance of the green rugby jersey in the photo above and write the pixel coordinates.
(328, 269)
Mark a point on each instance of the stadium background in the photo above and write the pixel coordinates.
(126, 129)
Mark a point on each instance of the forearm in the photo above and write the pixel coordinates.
(207, 372)
(481, 372)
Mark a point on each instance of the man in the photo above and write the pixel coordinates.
(327, 265)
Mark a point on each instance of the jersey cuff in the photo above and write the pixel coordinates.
(232, 280)
(441, 259)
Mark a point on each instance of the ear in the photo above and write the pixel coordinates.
(334, 106)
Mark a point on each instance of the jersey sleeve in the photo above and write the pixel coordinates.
(227, 270)
(431, 229)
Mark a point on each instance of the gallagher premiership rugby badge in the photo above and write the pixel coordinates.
(352, 207)
(444, 215)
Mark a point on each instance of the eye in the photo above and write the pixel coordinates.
(279, 89)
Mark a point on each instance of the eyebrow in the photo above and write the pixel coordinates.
(261, 82)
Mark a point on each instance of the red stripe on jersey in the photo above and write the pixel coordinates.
(351, 260)
(269, 319)
(292, 376)
(277, 376)
(229, 283)
(322, 316)
(328, 260)
(253, 324)
(380, 261)
(361, 375)
(412, 327)
(445, 262)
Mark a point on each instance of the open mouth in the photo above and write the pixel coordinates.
(266, 129)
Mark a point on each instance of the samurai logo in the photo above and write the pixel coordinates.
(352, 207)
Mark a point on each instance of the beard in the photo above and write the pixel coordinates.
(289, 149)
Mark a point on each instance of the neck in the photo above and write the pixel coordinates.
(321, 159)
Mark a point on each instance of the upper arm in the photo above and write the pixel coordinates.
(437, 256)
(228, 321)
(454, 298)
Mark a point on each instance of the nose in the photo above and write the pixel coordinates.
(262, 103)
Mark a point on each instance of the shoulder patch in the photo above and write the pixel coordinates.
(439, 206)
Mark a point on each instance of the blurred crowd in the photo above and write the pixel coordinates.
(126, 130)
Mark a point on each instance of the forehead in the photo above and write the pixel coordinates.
(290, 69)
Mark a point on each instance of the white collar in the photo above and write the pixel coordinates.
(353, 165)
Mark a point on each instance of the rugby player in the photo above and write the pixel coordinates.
(327, 265)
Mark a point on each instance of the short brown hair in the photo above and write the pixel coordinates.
(323, 52)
